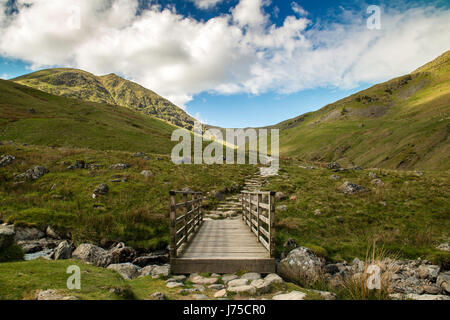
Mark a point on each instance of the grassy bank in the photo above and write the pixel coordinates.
(408, 216)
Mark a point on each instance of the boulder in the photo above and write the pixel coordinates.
(429, 272)
(200, 297)
(161, 271)
(216, 286)
(444, 247)
(335, 177)
(412, 296)
(180, 278)
(326, 295)
(158, 296)
(33, 173)
(120, 166)
(262, 286)
(273, 278)
(92, 254)
(317, 212)
(139, 155)
(173, 284)
(229, 277)
(63, 251)
(101, 189)
(377, 182)
(6, 160)
(196, 279)
(279, 196)
(147, 173)
(6, 236)
(237, 283)
(127, 270)
(246, 289)
(220, 294)
(350, 188)
(122, 254)
(51, 233)
(30, 247)
(251, 276)
(282, 207)
(301, 266)
(23, 233)
(333, 166)
(53, 295)
(294, 295)
(443, 280)
(146, 271)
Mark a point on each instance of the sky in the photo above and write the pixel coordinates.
(230, 63)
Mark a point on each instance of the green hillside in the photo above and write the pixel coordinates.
(400, 124)
(110, 89)
(35, 117)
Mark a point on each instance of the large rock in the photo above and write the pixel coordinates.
(279, 196)
(6, 236)
(53, 295)
(127, 270)
(6, 160)
(413, 296)
(429, 272)
(262, 286)
(28, 234)
(122, 254)
(294, 295)
(251, 276)
(196, 279)
(333, 166)
(33, 173)
(161, 271)
(301, 266)
(444, 247)
(443, 280)
(350, 188)
(273, 278)
(246, 289)
(147, 173)
(120, 166)
(237, 283)
(101, 189)
(63, 251)
(229, 277)
(92, 254)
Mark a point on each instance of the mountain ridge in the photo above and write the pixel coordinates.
(109, 89)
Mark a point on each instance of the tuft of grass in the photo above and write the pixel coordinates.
(13, 252)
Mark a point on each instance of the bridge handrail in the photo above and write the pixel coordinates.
(258, 212)
(188, 221)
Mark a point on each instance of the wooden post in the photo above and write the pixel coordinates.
(259, 212)
(186, 218)
(173, 231)
(201, 206)
(272, 224)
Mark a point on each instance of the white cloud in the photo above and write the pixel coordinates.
(298, 9)
(206, 4)
(5, 76)
(240, 52)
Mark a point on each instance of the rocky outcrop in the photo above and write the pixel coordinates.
(6, 236)
(90, 253)
(6, 160)
(63, 251)
(301, 266)
(122, 254)
(126, 270)
(120, 166)
(22, 234)
(33, 173)
(350, 188)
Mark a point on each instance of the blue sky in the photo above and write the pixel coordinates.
(237, 63)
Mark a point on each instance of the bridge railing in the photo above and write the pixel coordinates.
(185, 217)
(258, 212)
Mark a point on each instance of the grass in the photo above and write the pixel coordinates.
(408, 216)
(21, 280)
(134, 211)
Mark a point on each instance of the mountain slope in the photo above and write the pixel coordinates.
(403, 123)
(32, 116)
(110, 89)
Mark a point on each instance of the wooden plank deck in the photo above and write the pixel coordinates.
(223, 246)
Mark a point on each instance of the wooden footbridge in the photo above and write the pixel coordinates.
(226, 245)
